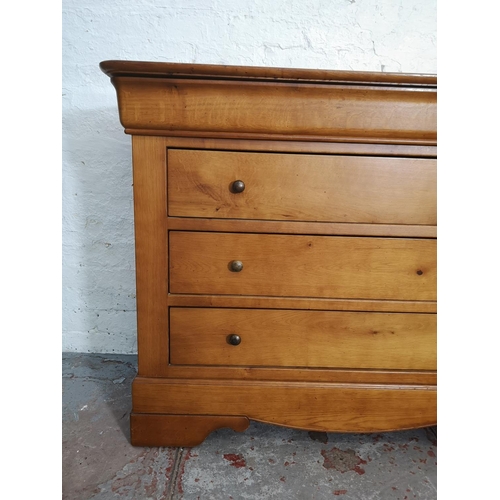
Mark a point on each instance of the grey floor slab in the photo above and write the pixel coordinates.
(268, 462)
(98, 460)
(264, 462)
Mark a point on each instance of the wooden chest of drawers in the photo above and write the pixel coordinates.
(285, 225)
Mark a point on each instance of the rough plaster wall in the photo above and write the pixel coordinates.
(98, 252)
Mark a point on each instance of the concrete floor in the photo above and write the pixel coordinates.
(264, 462)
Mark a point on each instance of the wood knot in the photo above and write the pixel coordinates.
(419, 272)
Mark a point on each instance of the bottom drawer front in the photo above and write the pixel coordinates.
(327, 339)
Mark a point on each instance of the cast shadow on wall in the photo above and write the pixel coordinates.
(99, 310)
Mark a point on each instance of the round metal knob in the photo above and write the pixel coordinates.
(238, 187)
(234, 339)
(236, 266)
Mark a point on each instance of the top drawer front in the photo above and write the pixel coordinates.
(301, 187)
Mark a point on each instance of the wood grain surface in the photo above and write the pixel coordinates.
(150, 186)
(302, 187)
(179, 430)
(296, 146)
(266, 109)
(293, 227)
(322, 407)
(297, 374)
(166, 69)
(303, 266)
(324, 304)
(199, 336)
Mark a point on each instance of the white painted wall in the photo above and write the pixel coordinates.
(98, 252)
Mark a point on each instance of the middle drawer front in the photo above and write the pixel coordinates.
(302, 266)
(316, 339)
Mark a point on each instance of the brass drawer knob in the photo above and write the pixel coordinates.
(236, 266)
(234, 339)
(238, 187)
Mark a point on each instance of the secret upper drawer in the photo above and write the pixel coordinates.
(301, 187)
(315, 339)
(302, 266)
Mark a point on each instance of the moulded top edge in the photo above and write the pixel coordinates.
(212, 71)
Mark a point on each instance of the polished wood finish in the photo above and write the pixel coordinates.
(293, 110)
(260, 302)
(150, 199)
(315, 339)
(303, 266)
(298, 374)
(321, 407)
(290, 227)
(301, 187)
(317, 267)
(143, 69)
(273, 144)
(179, 430)
(295, 104)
